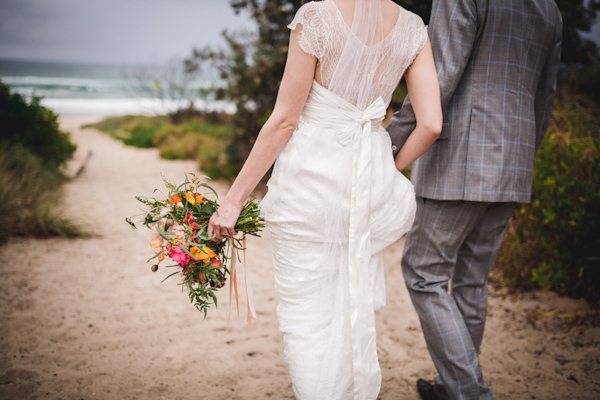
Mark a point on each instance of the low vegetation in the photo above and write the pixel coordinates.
(192, 139)
(553, 242)
(32, 150)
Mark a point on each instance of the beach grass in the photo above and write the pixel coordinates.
(29, 195)
(32, 152)
(195, 138)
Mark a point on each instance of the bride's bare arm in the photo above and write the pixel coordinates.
(424, 91)
(275, 133)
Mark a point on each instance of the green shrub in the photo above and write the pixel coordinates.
(177, 142)
(29, 191)
(123, 126)
(195, 139)
(141, 136)
(133, 130)
(32, 149)
(553, 242)
(33, 127)
(212, 158)
(206, 143)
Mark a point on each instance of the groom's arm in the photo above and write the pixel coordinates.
(452, 31)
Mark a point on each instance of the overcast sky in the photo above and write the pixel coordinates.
(112, 31)
(116, 31)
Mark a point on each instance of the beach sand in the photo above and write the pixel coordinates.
(87, 319)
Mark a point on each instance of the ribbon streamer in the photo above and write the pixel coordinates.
(247, 283)
(233, 282)
(249, 294)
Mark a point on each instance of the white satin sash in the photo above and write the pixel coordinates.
(354, 127)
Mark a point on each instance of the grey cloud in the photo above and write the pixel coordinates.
(114, 31)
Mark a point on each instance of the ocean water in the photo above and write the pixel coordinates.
(105, 90)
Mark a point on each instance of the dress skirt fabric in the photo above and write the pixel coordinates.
(335, 201)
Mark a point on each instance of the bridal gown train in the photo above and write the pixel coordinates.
(335, 200)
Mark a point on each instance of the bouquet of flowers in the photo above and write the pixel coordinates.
(179, 222)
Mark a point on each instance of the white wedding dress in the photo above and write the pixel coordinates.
(335, 201)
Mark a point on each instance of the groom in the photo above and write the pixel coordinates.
(497, 63)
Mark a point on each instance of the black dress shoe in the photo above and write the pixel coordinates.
(425, 390)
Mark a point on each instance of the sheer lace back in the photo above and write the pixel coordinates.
(324, 34)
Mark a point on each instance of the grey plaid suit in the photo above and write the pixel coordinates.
(497, 62)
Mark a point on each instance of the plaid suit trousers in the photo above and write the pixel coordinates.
(457, 241)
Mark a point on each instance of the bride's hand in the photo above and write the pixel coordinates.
(222, 223)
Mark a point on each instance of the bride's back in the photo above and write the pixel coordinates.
(374, 70)
(390, 13)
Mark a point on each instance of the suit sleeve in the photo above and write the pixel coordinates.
(546, 91)
(452, 31)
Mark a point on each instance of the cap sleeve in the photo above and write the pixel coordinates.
(311, 32)
(420, 36)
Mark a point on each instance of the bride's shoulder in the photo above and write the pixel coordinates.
(407, 15)
(413, 31)
(316, 5)
(309, 8)
(318, 9)
(313, 13)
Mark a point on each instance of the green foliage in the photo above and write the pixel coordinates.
(578, 16)
(141, 136)
(580, 58)
(32, 149)
(119, 127)
(553, 243)
(178, 142)
(133, 130)
(195, 139)
(29, 191)
(33, 127)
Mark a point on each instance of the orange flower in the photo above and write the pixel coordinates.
(200, 199)
(202, 279)
(190, 198)
(216, 262)
(156, 245)
(204, 255)
(194, 252)
(176, 199)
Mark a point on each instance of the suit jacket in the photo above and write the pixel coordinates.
(497, 63)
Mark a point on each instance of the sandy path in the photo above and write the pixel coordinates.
(86, 319)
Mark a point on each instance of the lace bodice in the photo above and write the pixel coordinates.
(324, 33)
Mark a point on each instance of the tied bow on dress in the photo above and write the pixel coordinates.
(354, 128)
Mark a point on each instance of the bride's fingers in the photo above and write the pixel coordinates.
(221, 231)
(212, 229)
(217, 237)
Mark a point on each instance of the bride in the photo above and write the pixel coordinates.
(336, 197)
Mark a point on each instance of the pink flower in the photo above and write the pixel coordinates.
(190, 216)
(178, 255)
(194, 225)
